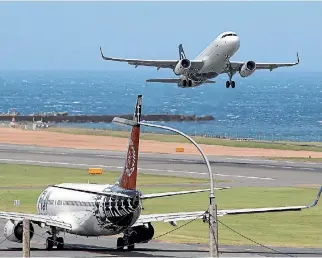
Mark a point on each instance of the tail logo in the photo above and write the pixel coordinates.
(130, 162)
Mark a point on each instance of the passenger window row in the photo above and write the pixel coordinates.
(71, 203)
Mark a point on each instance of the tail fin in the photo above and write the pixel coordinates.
(181, 52)
(128, 177)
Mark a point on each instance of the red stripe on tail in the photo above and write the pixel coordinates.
(129, 175)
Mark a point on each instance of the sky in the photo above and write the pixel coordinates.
(67, 35)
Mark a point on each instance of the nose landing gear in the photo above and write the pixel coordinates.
(230, 83)
(230, 73)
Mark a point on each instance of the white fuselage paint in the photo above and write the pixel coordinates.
(85, 212)
(216, 55)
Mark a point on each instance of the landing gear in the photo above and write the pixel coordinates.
(53, 240)
(128, 240)
(131, 242)
(60, 243)
(49, 243)
(186, 83)
(230, 73)
(232, 83)
(120, 244)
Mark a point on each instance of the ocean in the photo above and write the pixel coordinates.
(267, 105)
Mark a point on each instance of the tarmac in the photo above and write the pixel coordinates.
(105, 247)
(240, 172)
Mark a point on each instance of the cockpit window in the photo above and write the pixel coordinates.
(228, 34)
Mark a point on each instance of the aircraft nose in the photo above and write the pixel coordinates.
(235, 42)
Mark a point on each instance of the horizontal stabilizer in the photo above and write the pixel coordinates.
(173, 80)
(166, 80)
(158, 195)
(109, 194)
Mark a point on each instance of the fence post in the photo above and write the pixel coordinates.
(26, 238)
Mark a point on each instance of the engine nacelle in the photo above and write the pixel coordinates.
(14, 232)
(182, 66)
(143, 233)
(247, 69)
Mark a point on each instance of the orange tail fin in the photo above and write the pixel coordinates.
(129, 175)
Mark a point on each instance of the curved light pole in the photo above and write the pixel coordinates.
(213, 230)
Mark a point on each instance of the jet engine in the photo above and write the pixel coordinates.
(143, 234)
(13, 232)
(247, 69)
(182, 66)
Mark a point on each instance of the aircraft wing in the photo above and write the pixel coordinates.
(179, 216)
(37, 219)
(235, 65)
(195, 64)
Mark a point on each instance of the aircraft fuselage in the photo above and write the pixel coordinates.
(215, 58)
(91, 214)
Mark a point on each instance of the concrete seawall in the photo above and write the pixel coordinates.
(105, 118)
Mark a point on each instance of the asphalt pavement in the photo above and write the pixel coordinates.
(78, 246)
(238, 171)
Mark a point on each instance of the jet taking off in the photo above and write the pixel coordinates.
(210, 63)
(101, 210)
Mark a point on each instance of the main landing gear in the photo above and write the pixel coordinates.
(53, 240)
(128, 240)
(230, 83)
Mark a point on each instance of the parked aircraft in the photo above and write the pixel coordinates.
(210, 63)
(101, 210)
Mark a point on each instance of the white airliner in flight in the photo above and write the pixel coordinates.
(101, 210)
(211, 62)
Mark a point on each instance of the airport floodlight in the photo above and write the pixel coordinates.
(123, 121)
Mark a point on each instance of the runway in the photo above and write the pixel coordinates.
(105, 247)
(238, 171)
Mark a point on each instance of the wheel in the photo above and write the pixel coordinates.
(49, 243)
(184, 83)
(190, 83)
(227, 84)
(131, 242)
(233, 84)
(120, 243)
(60, 243)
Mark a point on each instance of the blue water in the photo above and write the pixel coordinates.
(276, 105)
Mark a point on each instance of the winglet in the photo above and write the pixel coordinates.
(102, 54)
(298, 58)
(315, 202)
